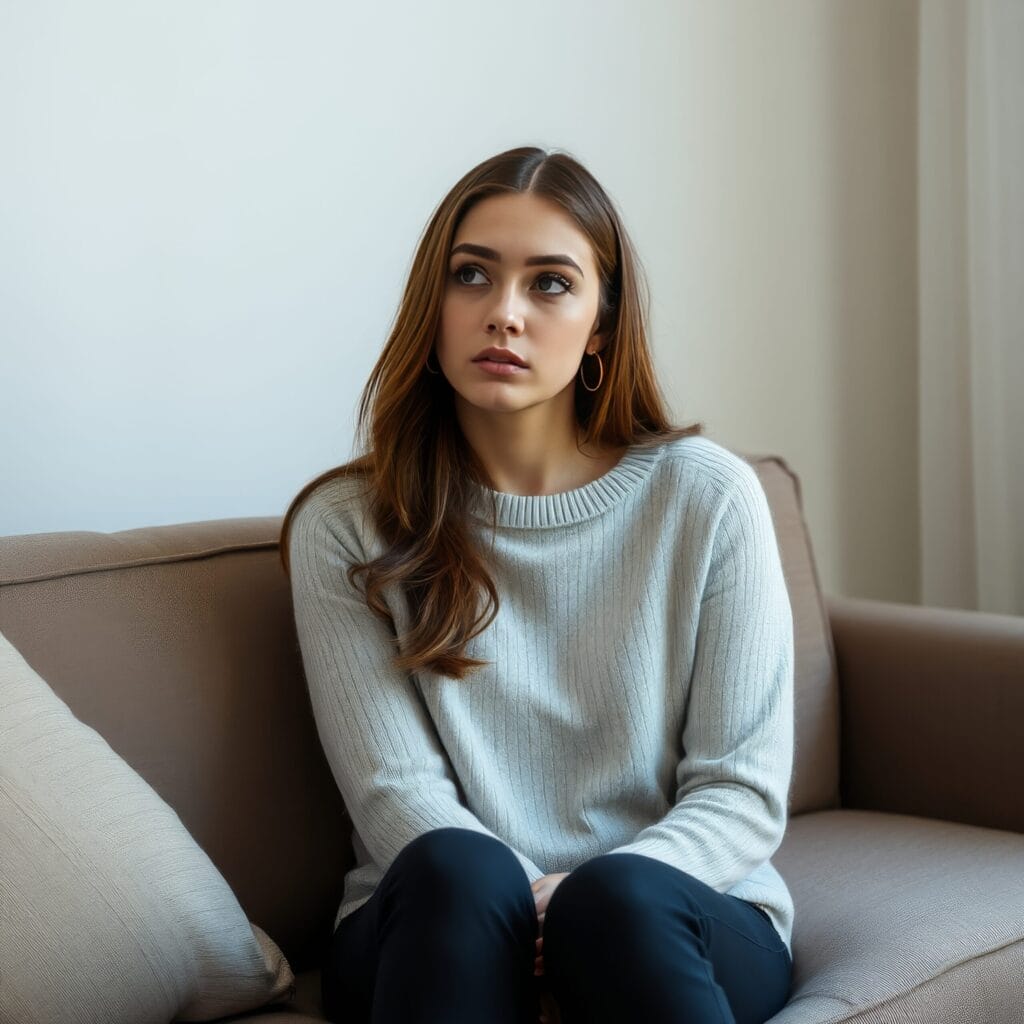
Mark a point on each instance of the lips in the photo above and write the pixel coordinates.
(500, 355)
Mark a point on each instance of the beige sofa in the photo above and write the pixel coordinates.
(905, 847)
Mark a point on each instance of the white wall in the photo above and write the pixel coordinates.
(207, 212)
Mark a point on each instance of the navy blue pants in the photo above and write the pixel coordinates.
(449, 937)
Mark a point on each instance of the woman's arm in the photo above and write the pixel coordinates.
(380, 742)
(737, 740)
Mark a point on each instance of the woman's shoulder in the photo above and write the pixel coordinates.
(719, 487)
(335, 502)
(700, 460)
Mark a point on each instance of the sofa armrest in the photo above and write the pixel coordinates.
(931, 711)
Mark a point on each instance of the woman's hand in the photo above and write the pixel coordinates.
(542, 890)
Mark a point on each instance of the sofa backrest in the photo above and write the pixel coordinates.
(815, 784)
(177, 644)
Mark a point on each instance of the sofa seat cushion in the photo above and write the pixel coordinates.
(903, 919)
(899, 920)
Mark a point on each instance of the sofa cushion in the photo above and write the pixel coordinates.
(900, 918)
(111, 909)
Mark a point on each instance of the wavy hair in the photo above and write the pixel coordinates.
(415, 461)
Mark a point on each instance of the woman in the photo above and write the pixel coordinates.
(548, 644)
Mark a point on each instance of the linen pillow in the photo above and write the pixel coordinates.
(109, 909)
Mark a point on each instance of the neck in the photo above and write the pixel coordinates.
(538, 463)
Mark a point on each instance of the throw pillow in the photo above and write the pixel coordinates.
(109, 909)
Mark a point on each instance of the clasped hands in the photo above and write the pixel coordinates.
(542, 890)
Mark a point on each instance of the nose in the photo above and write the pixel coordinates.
(506, 316)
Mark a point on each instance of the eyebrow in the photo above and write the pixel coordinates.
(490, 254)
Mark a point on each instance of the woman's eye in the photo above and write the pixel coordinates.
(558, 279)
(462, 270)
(566, 286)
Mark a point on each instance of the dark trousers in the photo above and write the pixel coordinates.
(449, 937)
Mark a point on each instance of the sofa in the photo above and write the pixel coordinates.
(905, 844)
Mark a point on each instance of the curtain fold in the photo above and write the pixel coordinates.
(971, 303)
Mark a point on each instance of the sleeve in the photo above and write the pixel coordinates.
(380, 742)
(733, 780)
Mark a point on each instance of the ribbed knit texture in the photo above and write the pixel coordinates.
(639, 696)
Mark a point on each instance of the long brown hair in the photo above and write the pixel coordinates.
(416, 462)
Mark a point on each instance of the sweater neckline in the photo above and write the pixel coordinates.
(581, 503)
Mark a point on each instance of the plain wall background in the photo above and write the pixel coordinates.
(207, 213)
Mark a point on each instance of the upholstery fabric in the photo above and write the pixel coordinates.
(815, 783)
(896, 913)
(923, 689)
(177, 645)
(109, 905)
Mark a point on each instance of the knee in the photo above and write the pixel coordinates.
(458, 856)
(615, 892)
(599, 888)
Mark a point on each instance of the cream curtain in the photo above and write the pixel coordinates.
(971, 303)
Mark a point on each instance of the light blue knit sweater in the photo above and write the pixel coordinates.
(640, 692)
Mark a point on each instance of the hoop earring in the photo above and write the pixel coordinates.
(600, 378)
(427, 364)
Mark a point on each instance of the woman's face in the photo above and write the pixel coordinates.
(522, 278)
